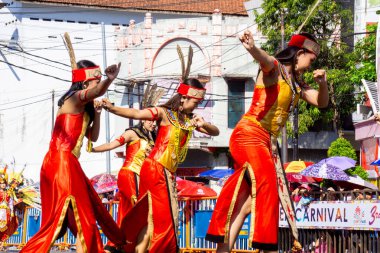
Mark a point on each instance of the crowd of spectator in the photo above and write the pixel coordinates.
(305, 193)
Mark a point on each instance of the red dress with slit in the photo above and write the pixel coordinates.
(129, 175)
(255, 174)
(157, 207)
(67, 196)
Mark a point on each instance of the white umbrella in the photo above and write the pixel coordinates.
(360, 181)
(356, 182)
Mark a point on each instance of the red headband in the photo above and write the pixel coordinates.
(86, 74)
(304, 42)
(192, 92)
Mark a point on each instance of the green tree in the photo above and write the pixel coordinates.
(345, 66)
(342, 147)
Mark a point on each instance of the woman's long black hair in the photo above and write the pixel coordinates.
(288, 55)
(77, 86)
(140, 126)
(175, 102)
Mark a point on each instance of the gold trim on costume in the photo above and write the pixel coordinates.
(69, 199)
(253, 203)
(139, 157)
(174, 153)
(150, 219)
(78, 145)
(133, 200)
(173, 200)
(232, 205)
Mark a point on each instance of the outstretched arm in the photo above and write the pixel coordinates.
(126, 137)
(155, 113)
(266, 61)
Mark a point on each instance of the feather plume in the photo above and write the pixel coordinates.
(146, 96)
(189, 62)
(70, 49)
(182, 59)
(157, 96)
(151, 94)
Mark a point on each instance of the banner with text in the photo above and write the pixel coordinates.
(337, 215)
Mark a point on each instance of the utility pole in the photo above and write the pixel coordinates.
(284, 145)
(52, 111)
(107, 115)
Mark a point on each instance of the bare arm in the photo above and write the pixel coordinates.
(155, 113)
(98, 90)
(266, 61)
(93, 131)
(203, 126)
(126, 137)
(318, 98)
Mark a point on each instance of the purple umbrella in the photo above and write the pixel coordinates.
(330, 168)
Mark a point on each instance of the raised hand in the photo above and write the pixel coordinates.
(247, 40)
(320, 76)
(197, 121)
(112, 71)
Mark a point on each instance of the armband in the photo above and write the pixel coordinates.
(154, 116)
(121, 140)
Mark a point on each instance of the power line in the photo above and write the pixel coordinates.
(74, 43)
(23, 99)
(14, 107)
(34, 71)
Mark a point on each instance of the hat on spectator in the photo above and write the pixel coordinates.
(305, 186)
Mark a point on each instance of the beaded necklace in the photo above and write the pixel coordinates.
(179, 151)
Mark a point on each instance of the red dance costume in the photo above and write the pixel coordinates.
(8, 221)
(157, 207)
(129, 174)
(68, 199)
(128, 178)
(255, 173)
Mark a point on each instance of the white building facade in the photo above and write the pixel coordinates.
(219, 60)
(35, 71)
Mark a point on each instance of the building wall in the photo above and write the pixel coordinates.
(365, 13)
(218, 58)
(30, 38)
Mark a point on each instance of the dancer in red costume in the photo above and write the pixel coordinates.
(252, 189)
(152, 223)
(139, 142)
(68, 199)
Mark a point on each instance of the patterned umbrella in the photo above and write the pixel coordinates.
(330, 168)
(104, 183)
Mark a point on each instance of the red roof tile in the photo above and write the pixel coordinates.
(231, 7)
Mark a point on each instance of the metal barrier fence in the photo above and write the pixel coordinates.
(194, 217)
(332, 241)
